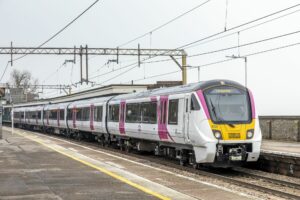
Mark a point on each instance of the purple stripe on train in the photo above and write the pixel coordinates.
(162, 108)
(203, 103)
(74, 117)
(122, 117)
(92, 110)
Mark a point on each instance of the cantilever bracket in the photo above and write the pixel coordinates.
(177, 63)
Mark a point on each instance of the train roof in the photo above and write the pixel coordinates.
(90, 101)
(202, 85)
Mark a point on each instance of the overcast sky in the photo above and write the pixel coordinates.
(274, 77)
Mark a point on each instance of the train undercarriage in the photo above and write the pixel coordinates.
(226, 156)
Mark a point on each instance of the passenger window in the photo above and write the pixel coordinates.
(33, 115)
(148, 111)
(62, 114)
(69, 114)
(78, 114)
(98, 113)
(133, 113)
(53, 114)
(85, 114)
(173, 111)
(114, 113)
(194, 103)
(39, 114)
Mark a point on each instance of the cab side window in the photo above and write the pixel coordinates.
(194, 103)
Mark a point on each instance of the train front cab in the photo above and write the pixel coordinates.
(226, 130)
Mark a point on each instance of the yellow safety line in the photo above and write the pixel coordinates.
(107, 172)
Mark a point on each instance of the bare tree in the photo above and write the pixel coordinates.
(23, 79)
(22, 86)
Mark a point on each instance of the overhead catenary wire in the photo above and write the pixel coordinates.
(208, 64)
(248, 55)
(4, 71)
(115, 70)
(245, 29)
(53, 36)
(221, 61)
(52, 74)
(238, 26)
(233, 47)
(114, 77)
(205, 38)
(222, 32)
(227, 35)
(164, 24)
(243, 45)
(61, 30)
(204, 65)
(154, 76)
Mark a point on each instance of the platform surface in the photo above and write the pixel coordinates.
(37, 166)
(281, 147)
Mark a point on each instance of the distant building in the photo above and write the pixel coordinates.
(17, 95)
(162, 84)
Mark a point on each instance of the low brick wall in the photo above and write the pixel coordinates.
(284, 128)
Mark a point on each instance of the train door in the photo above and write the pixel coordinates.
(175, 123)
(162, 118)
(186, 117)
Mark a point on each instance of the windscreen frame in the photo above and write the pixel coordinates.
(209, 107)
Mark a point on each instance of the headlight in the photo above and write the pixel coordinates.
(250, 134)
(217, 134)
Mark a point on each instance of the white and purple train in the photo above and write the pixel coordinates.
(211, 122)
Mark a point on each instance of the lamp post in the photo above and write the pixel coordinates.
(245, 60)
(199, 68)
(12, 119)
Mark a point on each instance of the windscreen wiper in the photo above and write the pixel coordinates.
(214, 110)
(231, 125)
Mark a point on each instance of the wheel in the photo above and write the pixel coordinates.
(182, 162)
(195, 166)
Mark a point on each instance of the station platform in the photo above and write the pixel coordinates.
(38, 166)
(280, 147)
(279, 157)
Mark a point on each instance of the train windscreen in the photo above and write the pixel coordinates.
(228, 104)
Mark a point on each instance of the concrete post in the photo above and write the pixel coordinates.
(270, 129)
(12, 119)
(184, 73)
(298, 139)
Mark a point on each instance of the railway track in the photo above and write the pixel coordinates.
(235, 176)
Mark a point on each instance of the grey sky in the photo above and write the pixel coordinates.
(273, 77)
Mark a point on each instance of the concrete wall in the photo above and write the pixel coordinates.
(284, 128)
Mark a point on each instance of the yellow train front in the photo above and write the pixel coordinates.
(227, 127)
